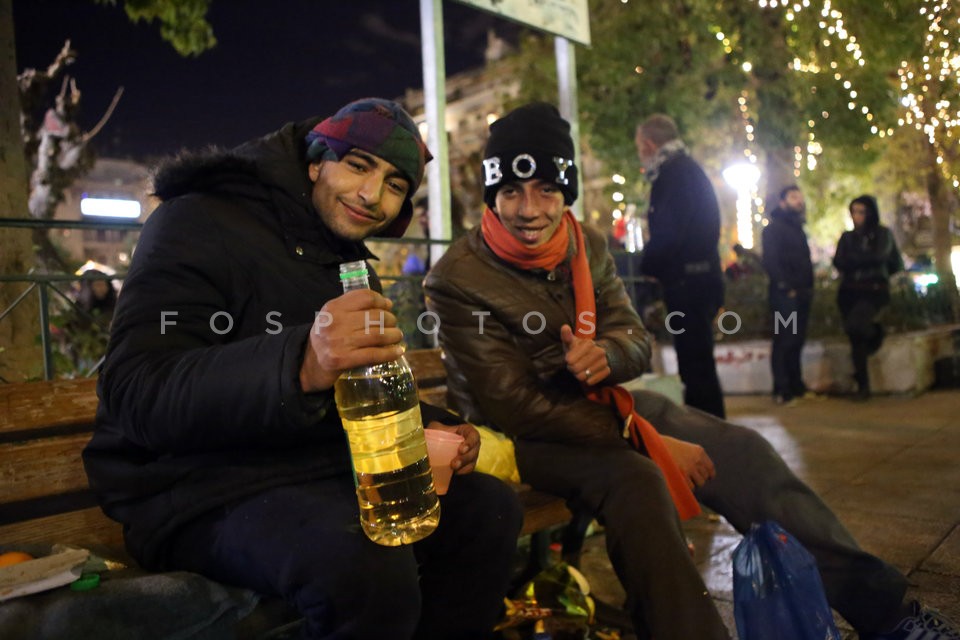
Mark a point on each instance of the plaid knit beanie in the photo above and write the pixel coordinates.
(380, 127)
(532, 141)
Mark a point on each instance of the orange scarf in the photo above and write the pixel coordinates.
(547, 256)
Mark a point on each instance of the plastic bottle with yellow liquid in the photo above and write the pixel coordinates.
(380, 411)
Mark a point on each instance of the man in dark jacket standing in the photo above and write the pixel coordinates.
(684, 220)
(218, 444)
(786, 257)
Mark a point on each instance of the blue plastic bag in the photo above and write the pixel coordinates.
(777, 592)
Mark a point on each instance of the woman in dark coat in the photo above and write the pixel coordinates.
(866, 258)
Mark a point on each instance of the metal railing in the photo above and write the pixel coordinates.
(640, 289)
(45, 285)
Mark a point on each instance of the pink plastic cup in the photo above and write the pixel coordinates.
(442, 448)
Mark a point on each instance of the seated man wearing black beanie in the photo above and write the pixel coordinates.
(538, 333)
(218, 444)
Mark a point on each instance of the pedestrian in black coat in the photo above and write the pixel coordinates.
(684, 225)
(786, 258)
(866, 257)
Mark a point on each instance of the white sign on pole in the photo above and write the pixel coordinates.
(567, 18)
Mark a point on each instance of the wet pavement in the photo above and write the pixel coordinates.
(889, 468)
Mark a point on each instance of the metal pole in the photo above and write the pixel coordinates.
(567, 85)
(45, 332)
(435, 107)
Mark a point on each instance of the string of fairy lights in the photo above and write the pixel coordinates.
(925, 87)
(927, 111)
(934, 115)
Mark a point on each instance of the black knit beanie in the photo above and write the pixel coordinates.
(532, 141)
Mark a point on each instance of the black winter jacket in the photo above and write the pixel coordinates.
(684, 219)
(786, 254)
(866, 258)
(200, 402)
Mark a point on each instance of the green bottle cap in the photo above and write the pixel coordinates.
(353, 274)
(85, 582)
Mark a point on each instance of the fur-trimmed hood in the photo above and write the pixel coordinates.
(275, 161)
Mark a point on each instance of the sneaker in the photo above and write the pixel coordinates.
(786, 401)
(923, 623)
(813, 395)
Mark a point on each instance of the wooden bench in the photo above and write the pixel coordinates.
(44, 496)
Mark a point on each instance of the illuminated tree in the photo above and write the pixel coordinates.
(796, 86)
(930, 95)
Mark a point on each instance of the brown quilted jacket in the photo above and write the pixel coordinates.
(509, 373)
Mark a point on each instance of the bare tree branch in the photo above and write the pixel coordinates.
(104, 118)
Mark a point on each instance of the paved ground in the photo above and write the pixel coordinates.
(890, 468)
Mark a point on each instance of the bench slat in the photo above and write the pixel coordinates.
(42, 467)
(36, 405)
(436, 396)
(541, 510)
(427, 365)
(88, 527)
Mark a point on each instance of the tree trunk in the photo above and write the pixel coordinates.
(778, 130)
(20, 355)
(942, 202)
(779, 174)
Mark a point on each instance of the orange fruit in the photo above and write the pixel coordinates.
(14, 557)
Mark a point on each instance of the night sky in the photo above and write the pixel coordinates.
(275, 61)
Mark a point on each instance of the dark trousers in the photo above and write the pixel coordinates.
(789, 334)
(859, 310)
(625, 490)
(698, 299)
(304, 543)
(754, 484)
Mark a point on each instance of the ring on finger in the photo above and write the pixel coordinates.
(586, 372)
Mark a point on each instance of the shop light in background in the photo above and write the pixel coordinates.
(923, 281)
(743, 177)
(109, 208)
(626, 228)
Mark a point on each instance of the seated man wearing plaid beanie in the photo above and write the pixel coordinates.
(218, 444)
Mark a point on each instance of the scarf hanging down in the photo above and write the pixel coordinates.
(642, 434)
(666, 152)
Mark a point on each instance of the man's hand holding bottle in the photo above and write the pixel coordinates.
(352, 330)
